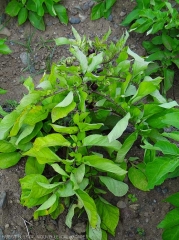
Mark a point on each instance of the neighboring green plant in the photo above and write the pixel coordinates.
(34, 10)
(171, 220)
(4, 49)
(140, 231)
(72, 128)
(102, 9)
(160, 18)
(132, 198)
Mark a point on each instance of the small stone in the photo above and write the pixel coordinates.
(91, 3)
(115, 39)
(110, 18)
(74, 11)
(116, 25)
(24, 56)
(146, 214)
(132, 46)
(74, 20)
(5, 31)
(122, 14)
(158, 189)
(42, 65)
(134, 206)
(85, 6)
(1, 235)
(154, 200)
(6, 226)
(49, 23)
(165, 190)
(37, 67)
(3, 200)
(51, 227)
(146, 220)
(82, 17)
(80, 228)
(121, 204)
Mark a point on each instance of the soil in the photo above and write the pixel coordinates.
(33, 52)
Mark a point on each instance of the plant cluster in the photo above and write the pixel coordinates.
(161, 19)
(72, 131)
(102, 9)
(34, 10)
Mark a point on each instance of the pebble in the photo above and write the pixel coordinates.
(91, 3)
(49, 23)
(82, 17)
(42, 65)
(121, 204)
(1, 235)
(24, 56)
(51, 227)
(85, 6)
(122, 14)
(158, 189)
(5, 31)
(80, 228)
(134, 206)
(6, 226)
(110, 18)
(74, 20)
(3, 200)
(165, 190)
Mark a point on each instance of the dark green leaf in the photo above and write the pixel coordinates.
(171, 233)
(131, 17)
(31, 6)
(98, 11)
(109, 4)
(157, 170)
(170, 220)
(173, 199)
(22, 16)
(50, 7)
(61, 13)
(36, 20)
(13, 8)
(4, 49)
(167, 41)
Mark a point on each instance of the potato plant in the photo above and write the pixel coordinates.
(71, 130)
(34, 10)
(161, 20)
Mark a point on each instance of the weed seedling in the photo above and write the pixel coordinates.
(132, 198)
(140, 231)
